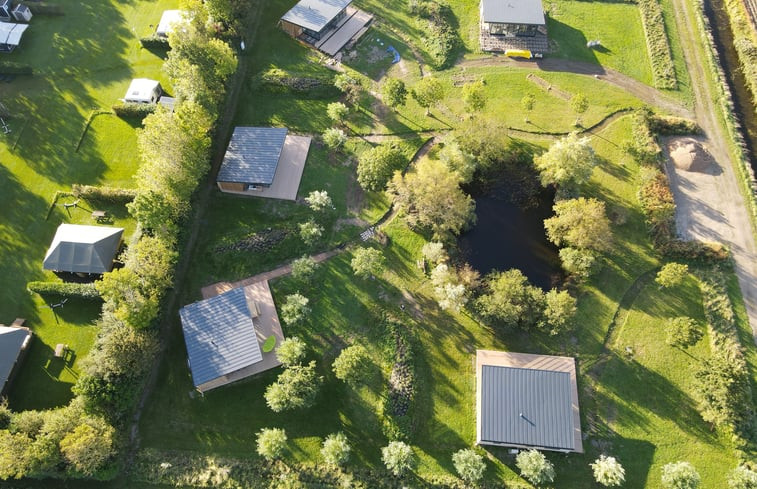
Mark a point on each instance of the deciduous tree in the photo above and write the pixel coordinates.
(291, 351)
(608, 471)
(428, 92)
(474, 96)
(376, 166)
(89, 446)
(742, 477)
(319, 200)
(683, 332)
(680, 475)
(394, 93)
(295, 308)
(398, 457)
(470, 466)
(458, 161)
(367, 262)
(672, 275)
(303, 268)
(311, 232)
(568, 163)
(352, 365)
(580, 223)
(296, 387)
(337, 112)
(336, 449)
(510, 300)
(559, 310)
(271, 443)
(535, 467)
(334, 138)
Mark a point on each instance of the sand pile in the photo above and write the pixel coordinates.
(690, 155)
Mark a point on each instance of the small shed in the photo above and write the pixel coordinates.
(220, 337)
(168, 22)
(527, 401)
(14, 344)
(22, 13)
(10, 35)
(5, 11)
(251, 158)
(143, 91)
(83, 249)
(313, 18)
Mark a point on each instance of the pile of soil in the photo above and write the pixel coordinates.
(688, 154)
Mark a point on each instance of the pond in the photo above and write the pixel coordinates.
(507, 236)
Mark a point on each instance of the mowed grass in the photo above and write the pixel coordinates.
(79, 66)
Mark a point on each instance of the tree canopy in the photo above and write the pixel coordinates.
(376, 166)
(580, 223)
(568, 163)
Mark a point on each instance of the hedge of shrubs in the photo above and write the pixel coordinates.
(65, 289)
(401, 389)
(154, 42)
(663, 70)
(278, 80)
(133, 110)
(99, 193)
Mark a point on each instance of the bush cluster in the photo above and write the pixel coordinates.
(663, 71)
(65, 289)
(111, 195)
(133, 110)
(154, 42)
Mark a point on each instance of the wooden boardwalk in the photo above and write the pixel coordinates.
(221, 287)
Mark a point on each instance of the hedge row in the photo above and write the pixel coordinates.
(671, 126)
(13, 68)
(65, 289)
(111, 195)
(280, 81)
(745, 41)
(663, 70)
(133, 110)
(401, 390)
(155, 42)
(724, 390)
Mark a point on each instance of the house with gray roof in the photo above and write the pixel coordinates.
(14, 343)
(527, 401)
(223, 340)
(263, 161)
(83, 249)
(326, 24)
(513, 25)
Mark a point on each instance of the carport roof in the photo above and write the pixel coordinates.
(252, 155)
(219, 335)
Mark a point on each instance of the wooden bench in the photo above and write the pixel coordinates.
(99, 215)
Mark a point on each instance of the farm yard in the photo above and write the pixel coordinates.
(639, 397)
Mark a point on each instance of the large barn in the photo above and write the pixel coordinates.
(527, 401)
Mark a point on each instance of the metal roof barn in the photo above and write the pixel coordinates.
(220, 336)
(512, 12)
(83, 249)
(252, 155)
(315, 14)
(527, 401)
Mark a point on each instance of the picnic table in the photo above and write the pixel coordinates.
(99, 215)
(60, 350)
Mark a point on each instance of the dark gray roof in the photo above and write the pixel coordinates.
(253, 155)
(512, 11)
(219, 335)
(11, 343)
(315, 14)
(543, 398)
(83, 249)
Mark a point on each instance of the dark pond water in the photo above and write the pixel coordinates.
(509, 236)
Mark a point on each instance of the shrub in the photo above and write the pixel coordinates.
(608, 471)
(99, 193)
(271, 443)
(296, 387)
(683, 332)
(367, 262)
(656, 201)
(65, 289)
(291, 351)
(335, 449)
(742, 477)
(89, 446)
(667, 125)
(334, 138)
(680, 475)
(133, 110)
(337, 112)
(311, 232)
(303, 268)
(352, 365)
(154, 42)
(319, 200)
(672, 275)
(398, 457)
(535, 467)
(469, 465)
(295, 308)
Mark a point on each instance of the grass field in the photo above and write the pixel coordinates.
(79, 66)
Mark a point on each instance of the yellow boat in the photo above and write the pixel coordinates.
(518, 53)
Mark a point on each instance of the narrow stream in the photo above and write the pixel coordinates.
(742, 98)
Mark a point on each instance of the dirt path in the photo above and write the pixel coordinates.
(710, 206)
(643, 92)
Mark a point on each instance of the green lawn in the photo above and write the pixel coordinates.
(79, 65)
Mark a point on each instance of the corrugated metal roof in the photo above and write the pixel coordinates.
(11, 342)
(83, 249)
(10, 33)
(315, 14)
(513, 11)
(526, 407)
(253, 155)
(219, 335)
